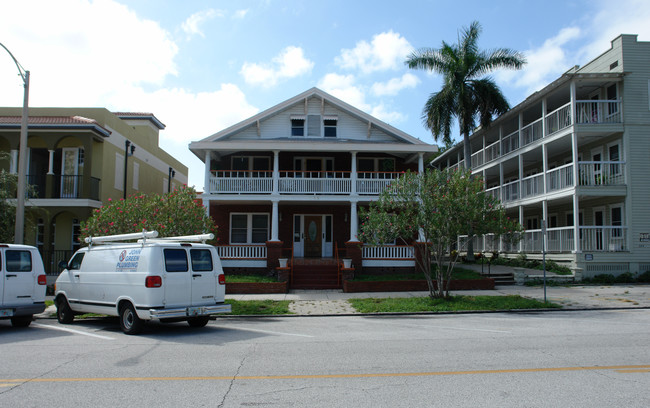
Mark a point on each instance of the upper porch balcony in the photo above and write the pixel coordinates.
(300, 182)
(592, 113)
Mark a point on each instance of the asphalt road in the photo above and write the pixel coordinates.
(564, 359)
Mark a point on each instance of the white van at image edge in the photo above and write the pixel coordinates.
(22, 283)
(167, 279)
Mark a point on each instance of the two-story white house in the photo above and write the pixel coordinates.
(288, 182)
(575, 154)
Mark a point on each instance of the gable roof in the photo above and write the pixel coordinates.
(314, 92)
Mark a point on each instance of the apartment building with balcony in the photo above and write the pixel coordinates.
(76, 163)
(288, 182)
(575, 154)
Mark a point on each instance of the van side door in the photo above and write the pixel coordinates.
(19, 277)
(204, 279)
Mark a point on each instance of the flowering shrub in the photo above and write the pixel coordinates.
(177, 213)
(435, 208)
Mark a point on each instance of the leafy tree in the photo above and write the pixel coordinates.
(437, 207)
(177, 213)
(465, 95)
(8, 186)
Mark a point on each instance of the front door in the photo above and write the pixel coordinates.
(599, 220)
(313, 236)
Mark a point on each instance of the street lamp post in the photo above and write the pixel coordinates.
(172, 173)
(19, 231)
(127, 144)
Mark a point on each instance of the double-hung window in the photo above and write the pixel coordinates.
(250, 228)
(297, 127)
(329, 126)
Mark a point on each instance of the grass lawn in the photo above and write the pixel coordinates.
(259, 307)
(249, 279)
(454, 303)
(457, 274)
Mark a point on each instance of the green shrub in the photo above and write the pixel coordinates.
(644, 277)
(626, 277)
(603, 278)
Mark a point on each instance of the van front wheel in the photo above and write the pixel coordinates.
(64, 314)
(130, 323)
(198, 321)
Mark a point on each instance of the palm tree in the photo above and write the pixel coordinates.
(464, 94)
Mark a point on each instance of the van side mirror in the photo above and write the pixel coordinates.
(63, 265)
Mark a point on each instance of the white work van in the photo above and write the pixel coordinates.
(168, 279)
(22, 283)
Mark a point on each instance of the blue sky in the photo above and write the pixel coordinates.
(201, 66)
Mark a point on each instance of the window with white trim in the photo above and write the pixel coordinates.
(329, 126)
(297, 127)
(249, 228)
(616, 218)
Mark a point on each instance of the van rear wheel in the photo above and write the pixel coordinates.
(130, 323)
(21, 321)
(198, 321)
(64, 313)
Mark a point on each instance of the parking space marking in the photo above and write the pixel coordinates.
(65, 329)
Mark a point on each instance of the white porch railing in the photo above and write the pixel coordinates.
(387, 252)
(494, 192)
(532, 185)
(601, 173)
(558, 119)
(510, 191)
(598, 111)
(559, 178)
(315, 182)
(241, 251)
(510, 143)
(477, 159)
(532, 132)
(603, 238)
(374, 182)
(492, 151)
(234, 181)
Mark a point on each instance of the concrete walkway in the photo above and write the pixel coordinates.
(335, 302)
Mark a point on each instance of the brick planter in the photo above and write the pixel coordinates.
(256, 288)
(414, 285)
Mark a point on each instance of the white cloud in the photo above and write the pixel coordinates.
(191, 26)
(240, 13)
(544, 63)
(577, 45)
(344, 88)
(386, 51)
(381, 112)
(290, 63)
(76, 55)
(395, 85)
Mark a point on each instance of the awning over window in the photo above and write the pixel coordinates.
(298, 117)
(330, 117)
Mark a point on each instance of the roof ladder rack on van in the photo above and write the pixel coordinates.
(186, 238)
(140, 236)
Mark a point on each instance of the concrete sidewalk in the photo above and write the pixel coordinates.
(334, 302)
(326, 302)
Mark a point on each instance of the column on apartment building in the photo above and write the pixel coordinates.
(13, 167)
(353, 174)
(49, 176)
(521, 221)
(576, 173)
(353, 246)
(276, 171)
(274, 246)
(206, 182)
(420, 162)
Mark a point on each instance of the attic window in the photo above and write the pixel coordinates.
(297, 127)
(329, 127)
(613, 64)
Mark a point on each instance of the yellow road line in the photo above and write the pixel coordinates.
(621, 369)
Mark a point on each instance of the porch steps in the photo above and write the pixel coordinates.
(501, 279)
(315, 274)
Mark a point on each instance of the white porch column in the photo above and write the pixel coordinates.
(353, 174)
(544, 165)
(544, 225)
(544, 117)
(206, 181)
(421, 162)
(50, 170)
(521, 221)
(572, 92)
(13, 166)
(276, 170)
(206, 205)
(354, 222)
(274, 221)
(521, 134)
(576, 222)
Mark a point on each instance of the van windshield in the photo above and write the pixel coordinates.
(201, 260)
(175, 260)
